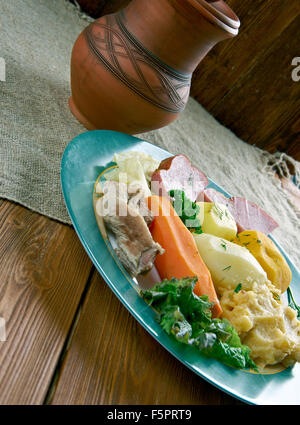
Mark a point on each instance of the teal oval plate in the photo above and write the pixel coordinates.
(85, 158)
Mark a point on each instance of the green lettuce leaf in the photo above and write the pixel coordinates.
(188, 318)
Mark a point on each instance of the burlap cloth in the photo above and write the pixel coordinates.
(36, 125)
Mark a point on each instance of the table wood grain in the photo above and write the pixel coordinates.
(69, 339)
(113, 360)
(43, 273)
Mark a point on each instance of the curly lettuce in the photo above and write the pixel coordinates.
(188, 318)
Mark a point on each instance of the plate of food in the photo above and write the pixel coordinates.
(196, 266)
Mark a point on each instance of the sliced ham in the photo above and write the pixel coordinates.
(177, 172)
(248, 216)
(212, 195)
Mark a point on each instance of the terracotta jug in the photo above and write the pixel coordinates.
(131, 71)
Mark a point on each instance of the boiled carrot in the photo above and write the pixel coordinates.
(181, 257)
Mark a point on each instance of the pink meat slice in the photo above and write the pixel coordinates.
(177, 172)
(212, 195)
(247, 215)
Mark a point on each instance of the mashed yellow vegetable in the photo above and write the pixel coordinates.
(249, 300)
(269, 327)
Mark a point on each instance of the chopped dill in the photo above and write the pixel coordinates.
(223, 245)
(238, 288)
(276, 296)
(218, 211)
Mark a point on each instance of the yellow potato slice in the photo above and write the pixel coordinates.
(268, 256)
(216, 220)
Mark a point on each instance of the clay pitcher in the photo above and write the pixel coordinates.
(131, 71)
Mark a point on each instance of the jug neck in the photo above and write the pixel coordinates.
(180, 32)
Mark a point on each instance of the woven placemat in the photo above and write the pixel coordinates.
(36, 125)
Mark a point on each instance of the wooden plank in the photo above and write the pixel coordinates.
(96, 8)
(286, 137)
(112, 6)
(266, 98)
(113, 360)
(246, 82)
(262, 22)
(44, 270)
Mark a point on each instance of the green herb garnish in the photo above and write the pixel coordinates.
(218, 211)
(197, 230)
(238, 288)
(223, 245)
(276, 296)
(227, 268)
(188, 318)
(187, 210)
(292, 302)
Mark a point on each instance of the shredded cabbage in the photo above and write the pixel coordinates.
(133, 167)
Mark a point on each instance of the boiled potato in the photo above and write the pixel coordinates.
(216, 220)
(230, 264)
(268, 256)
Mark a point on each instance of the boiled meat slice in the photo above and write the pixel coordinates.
(248, 216)
(177, 172)
(136, 249)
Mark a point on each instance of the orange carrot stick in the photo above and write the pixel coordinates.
(181, 257)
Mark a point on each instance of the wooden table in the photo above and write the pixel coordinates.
(69, 339)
